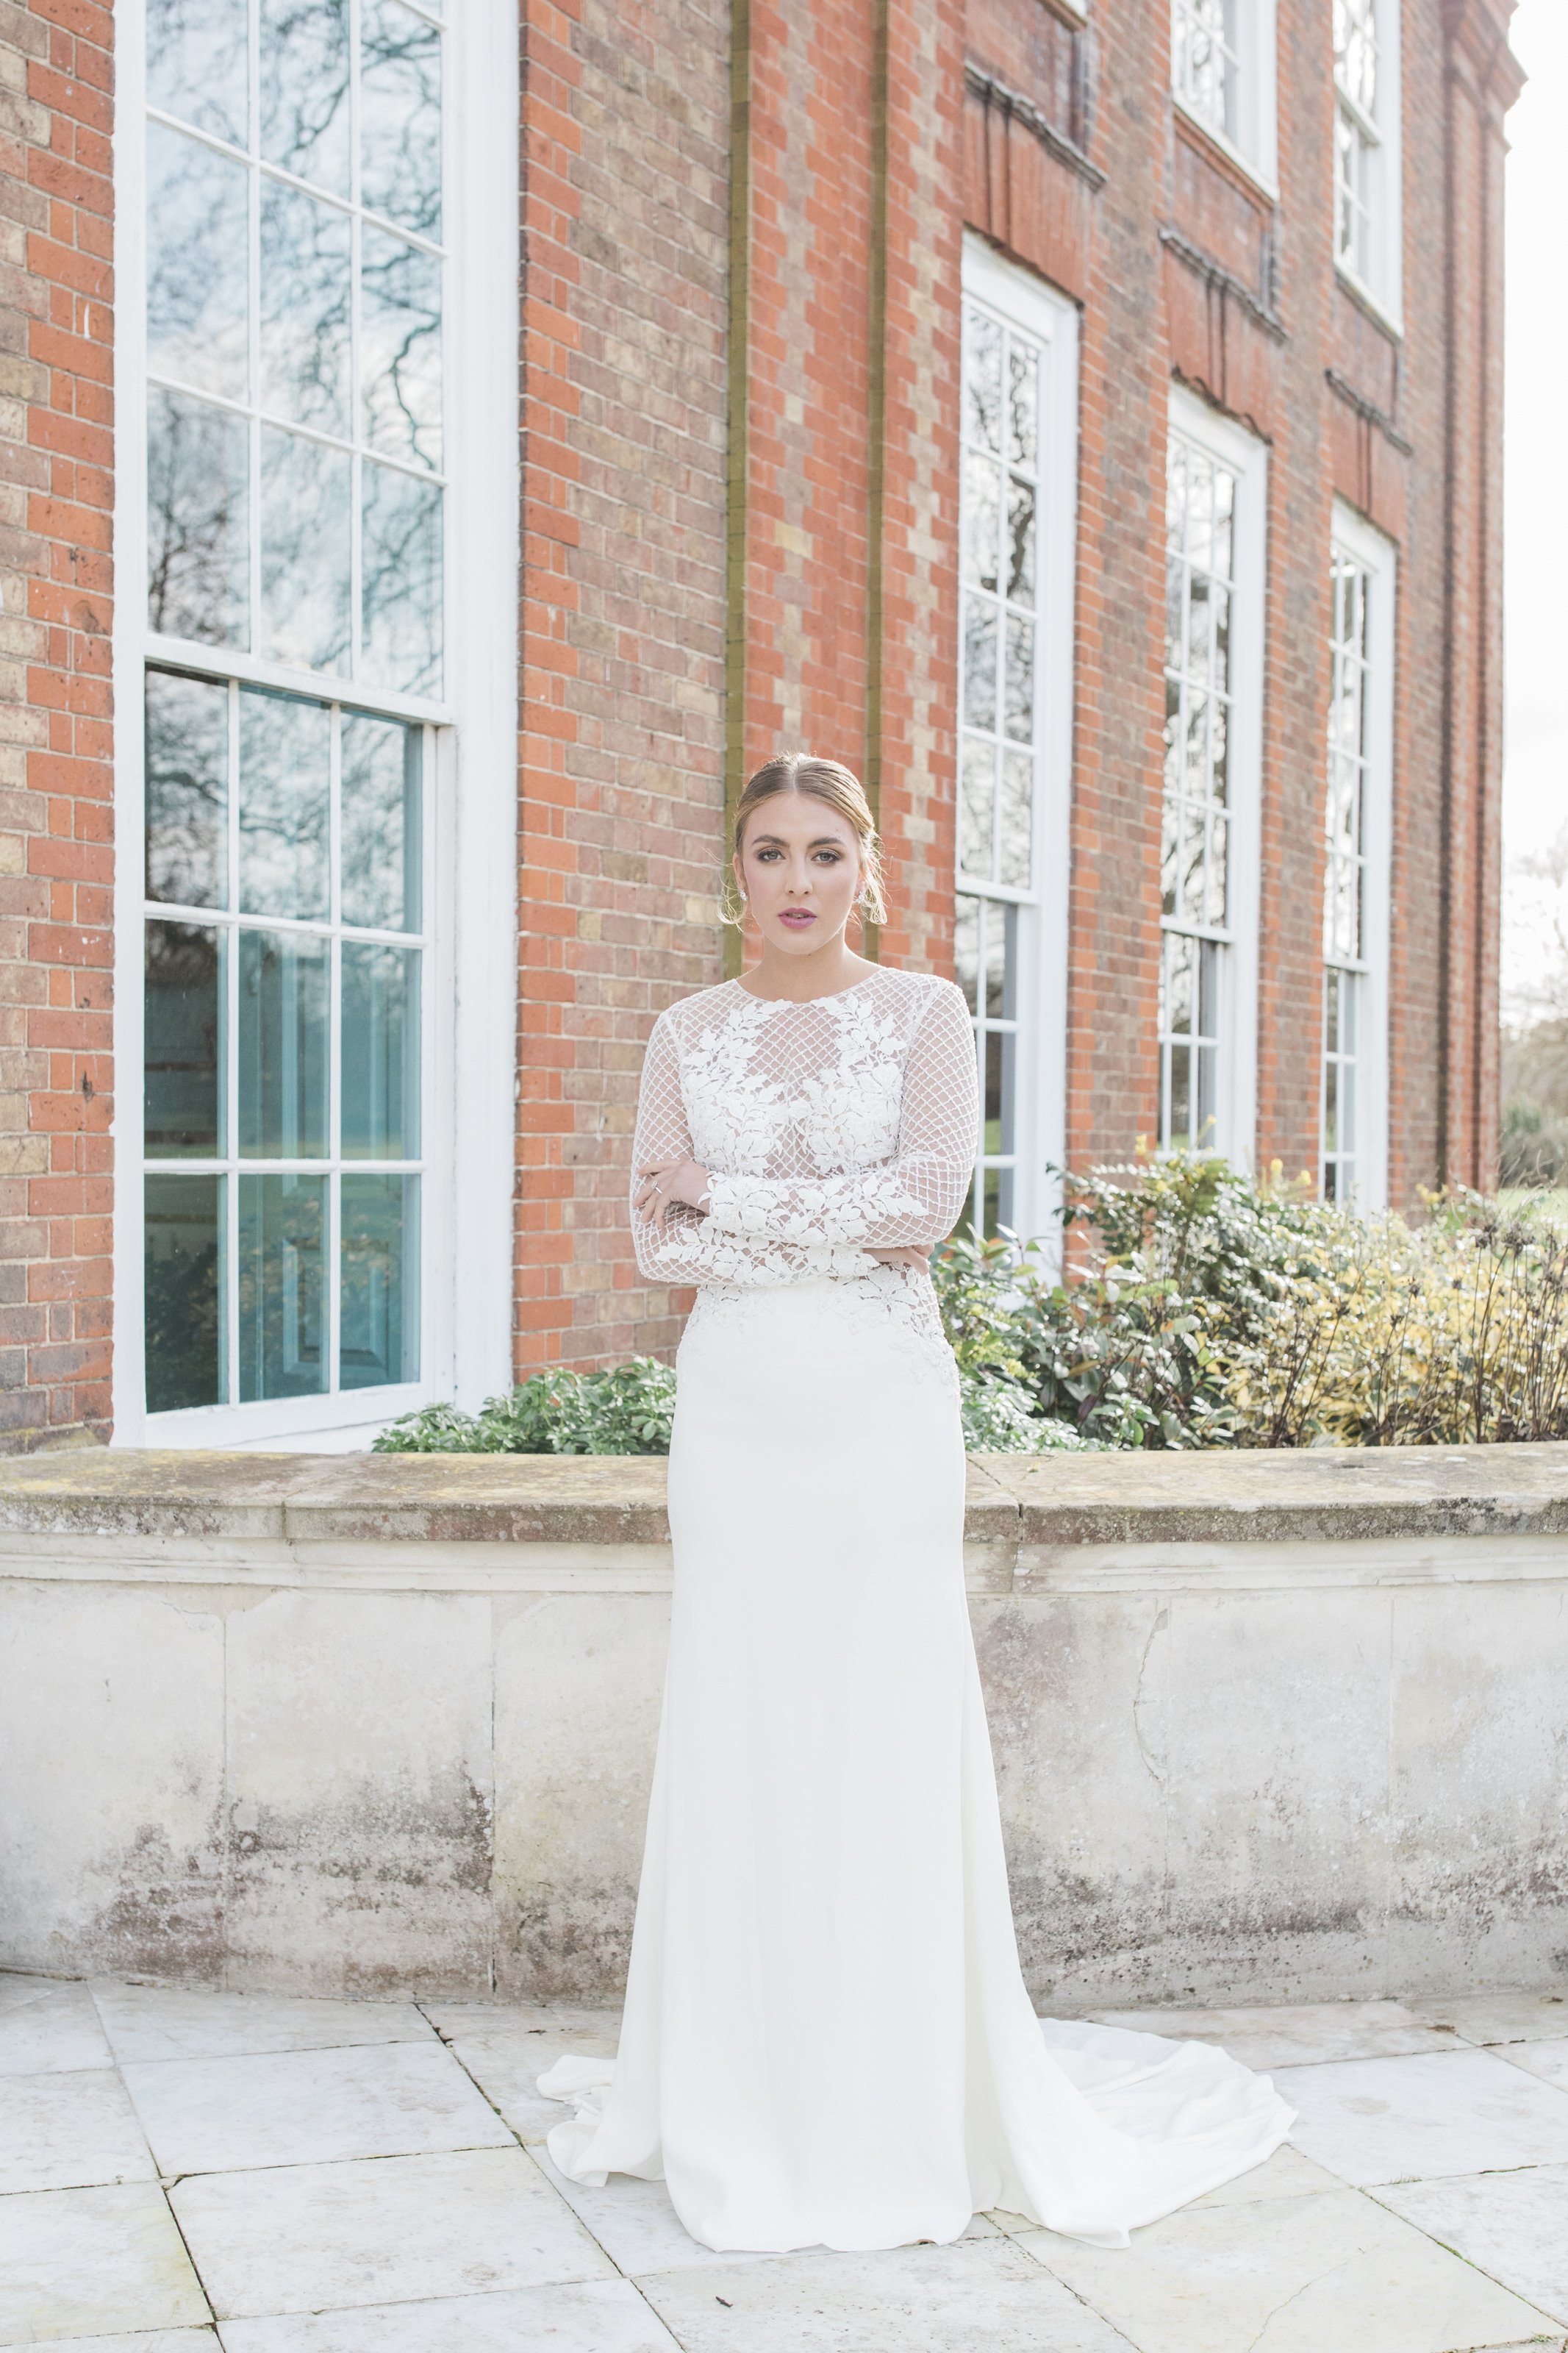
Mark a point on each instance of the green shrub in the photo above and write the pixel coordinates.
(627, 1411)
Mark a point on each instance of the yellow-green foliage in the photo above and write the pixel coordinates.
(1452, 1330)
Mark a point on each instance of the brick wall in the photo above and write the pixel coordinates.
(624, 134)
(57, 293)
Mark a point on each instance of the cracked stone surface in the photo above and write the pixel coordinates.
(193, 2172)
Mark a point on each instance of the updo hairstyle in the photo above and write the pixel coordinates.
(824, 780)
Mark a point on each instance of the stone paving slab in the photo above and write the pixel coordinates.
(339, 2176)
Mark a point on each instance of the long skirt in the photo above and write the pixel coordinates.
(827, 2037)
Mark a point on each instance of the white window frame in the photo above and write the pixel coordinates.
(1380, 284)
(1235, 1105)
(1254, 142)
(1378, 558)
(469, 918)
(1015, 295)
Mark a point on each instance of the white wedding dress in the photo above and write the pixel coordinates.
(827, 2039)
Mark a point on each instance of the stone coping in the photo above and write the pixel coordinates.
(1015, 1501)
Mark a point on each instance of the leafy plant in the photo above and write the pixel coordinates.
(627, 1411)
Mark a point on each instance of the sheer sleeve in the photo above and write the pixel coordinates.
(689, 1249)
(917, 1195)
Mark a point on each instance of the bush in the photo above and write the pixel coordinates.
(1199, 1308)
(627, 1411)
(1534, 1144)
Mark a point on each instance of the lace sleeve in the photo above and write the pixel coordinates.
(688, 1250)
(917, 1195)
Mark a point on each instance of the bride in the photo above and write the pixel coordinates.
(827, 2037)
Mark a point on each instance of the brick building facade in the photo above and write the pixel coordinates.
(1086, 421)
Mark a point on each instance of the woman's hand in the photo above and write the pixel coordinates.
(915, 1254)
(664, 1183)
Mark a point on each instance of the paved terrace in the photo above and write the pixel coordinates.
(183, 2170)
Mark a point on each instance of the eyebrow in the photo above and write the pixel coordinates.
(823, 841)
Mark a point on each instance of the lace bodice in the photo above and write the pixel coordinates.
(828, 1129)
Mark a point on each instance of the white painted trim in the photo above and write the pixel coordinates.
(1041, 1111)
(1381, 559)
(470, 865)
(1236, 1087)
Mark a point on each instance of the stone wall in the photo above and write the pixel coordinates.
(1266, 1727)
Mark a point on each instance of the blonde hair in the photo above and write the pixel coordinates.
(822, 780)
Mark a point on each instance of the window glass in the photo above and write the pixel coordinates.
(1205, 61)
(1004, 433)
(1194, 837)
(282, 1125)
(295, 431)
(1351, 589)
(1357, 138)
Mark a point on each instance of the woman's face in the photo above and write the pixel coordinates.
(800, 869)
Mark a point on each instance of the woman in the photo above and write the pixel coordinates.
(827, 2037)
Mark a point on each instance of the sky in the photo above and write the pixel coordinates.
(1535, 760)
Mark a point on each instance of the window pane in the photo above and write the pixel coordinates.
(197, 64)
(198, 533)
(981, 499)
(284, 751)
(380, 1052)
(400, 116)
(400, 361)
(1000, 1045)
(1016, 862)
(380, 822)
(982, 382)
(187, 790)
(305, 89)
(1001, 962)
(197, 264)
(282, 1327)
(305, 524)
(283, 1045)
(1022, 405)
(967, 948)
(183, 1042)
(402, 575)
(305, 279)
(1021, 541)
(378, 1332)
(1020, 679)
(182, 1319)
(977, 794)
(980, 663)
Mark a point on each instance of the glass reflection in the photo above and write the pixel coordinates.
(305, 89)
(1020, 690)
(380, 797)
(1020, 542)
(198, 537)
(380, 1052)
(183, 1042)
(1022, 405)
(982, 497)
(978, 663)
(977, 793)
(401, 561)
(187, 790)
(1015, 865)
(305, 330)
(983, 382)
(967, 948)
(282, 1327)
(400, 116)
(197, 66)
(400, 358)
(378, 1332)
(197, 264)
(284, 756)
(282, 1046)
(305, 524)
(181, 1313)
